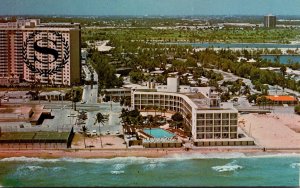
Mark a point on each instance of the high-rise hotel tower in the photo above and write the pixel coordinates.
(270, 21)
(39, 52)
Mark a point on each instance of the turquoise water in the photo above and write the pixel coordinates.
(283, 59)
(234, 169)
(158, 133)
(238, 45)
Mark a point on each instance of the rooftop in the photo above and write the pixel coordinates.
(281, 98)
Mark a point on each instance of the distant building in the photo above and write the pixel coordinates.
(39, 52)
(270, 21)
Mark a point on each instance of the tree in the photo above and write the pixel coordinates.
(297, 109)
(177, 117)
(100, 119)
(84, 130)
(225, 97)
(252, 98)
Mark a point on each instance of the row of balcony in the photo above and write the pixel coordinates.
(217, 136)
(217, 129)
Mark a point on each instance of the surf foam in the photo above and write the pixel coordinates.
(232, 166)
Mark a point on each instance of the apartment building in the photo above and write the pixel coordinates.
(206, 120)
(270, 21)
(46, 53)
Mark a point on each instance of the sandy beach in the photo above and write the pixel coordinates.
(273, 130)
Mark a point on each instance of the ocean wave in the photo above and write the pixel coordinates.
(232, 166)
(31, 168)
(152, 166)
(295, 165)
(117, 172)
(272, 155)
(27, 159)
(185, 156)
(145, 160)
(119, 166)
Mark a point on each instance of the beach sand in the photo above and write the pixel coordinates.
(273, 130)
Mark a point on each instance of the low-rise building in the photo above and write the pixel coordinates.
(206, 121)
(280, 100)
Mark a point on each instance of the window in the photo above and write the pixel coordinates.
(200, 122)
(217, 122)
(225, 122)
(200, 116)
(233, 115)
(233, 122)
(225, 116)
(209, 122)
(209, 116)
(217, 116)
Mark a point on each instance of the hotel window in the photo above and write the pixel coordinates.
(233, 122)
(225, 122)
(233, 129)
(200, 129)
(233, 115)
(225, 129)
(209, 136)
(209, 122)
(200, 122)
(217, 116)
(200, 136)
(200, 116)
(209, 116)
(217, 122)
(217, 136)
(225, 116)
(232, 136)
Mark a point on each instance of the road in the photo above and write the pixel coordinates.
(89, 98)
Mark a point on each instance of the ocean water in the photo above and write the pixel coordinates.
(232, 169)
(236, 45)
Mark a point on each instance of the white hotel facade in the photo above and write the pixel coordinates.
(206, 120)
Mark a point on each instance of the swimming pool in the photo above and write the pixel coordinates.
(158, 133)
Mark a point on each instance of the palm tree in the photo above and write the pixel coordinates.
(84, 130)
(155, 109)
(147, 108)
(100, 119)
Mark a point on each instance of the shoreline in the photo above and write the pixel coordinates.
(145, 152)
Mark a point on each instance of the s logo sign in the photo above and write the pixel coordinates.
(45, 50)
(39, 47)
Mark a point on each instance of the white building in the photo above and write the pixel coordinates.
(206, 120)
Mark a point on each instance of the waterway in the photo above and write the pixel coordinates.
(237, 45)
(283, 59)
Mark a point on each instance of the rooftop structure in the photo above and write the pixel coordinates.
(284, 99)
(34, 114)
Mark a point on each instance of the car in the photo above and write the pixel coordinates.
(118, 132)
(94, 132)
(83, 102)
(107, 132)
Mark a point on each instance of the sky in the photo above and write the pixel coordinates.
(149, 7)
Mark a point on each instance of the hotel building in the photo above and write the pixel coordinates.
(270, 21)
(206, 120)
(47, 53)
